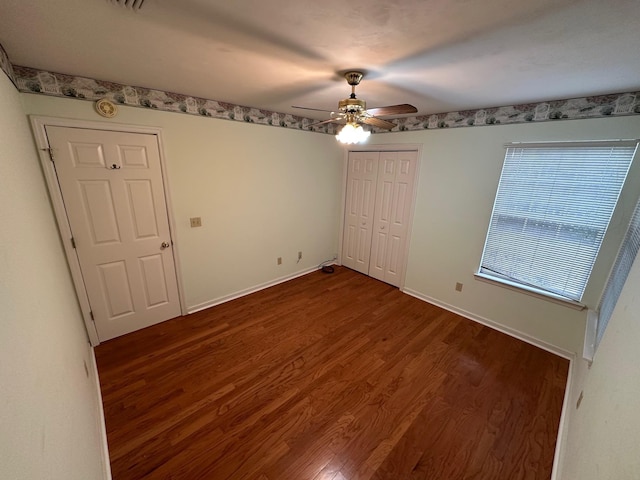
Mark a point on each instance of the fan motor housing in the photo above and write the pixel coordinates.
(352, 105)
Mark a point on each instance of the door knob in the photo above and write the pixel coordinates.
(165, 245)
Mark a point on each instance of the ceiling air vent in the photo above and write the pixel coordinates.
(132, 4)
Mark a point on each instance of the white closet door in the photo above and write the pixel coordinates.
(379, 201)
(394, 197)
(359, 210)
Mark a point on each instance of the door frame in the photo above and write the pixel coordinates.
(395, 147)
(38, 125)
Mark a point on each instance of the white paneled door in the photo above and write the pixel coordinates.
(378, 208)
(111, 184)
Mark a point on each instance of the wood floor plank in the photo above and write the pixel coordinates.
(329, 377)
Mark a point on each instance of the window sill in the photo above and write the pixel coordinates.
(530, 291)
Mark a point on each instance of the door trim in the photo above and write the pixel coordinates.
(399, 147)
(38, 125)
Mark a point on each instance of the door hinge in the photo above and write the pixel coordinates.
(51, 155)
(73, 242)
(91, 313)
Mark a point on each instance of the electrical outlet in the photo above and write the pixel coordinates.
(196, 222)
(279, 260)
(458, 287)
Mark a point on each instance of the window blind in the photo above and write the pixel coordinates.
(552, 209)
(619, 273)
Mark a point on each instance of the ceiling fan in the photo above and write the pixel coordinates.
(353, 110)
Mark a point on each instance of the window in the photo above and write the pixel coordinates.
(618, 276)
(552, 209)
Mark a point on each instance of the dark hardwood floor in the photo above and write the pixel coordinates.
(329, 377)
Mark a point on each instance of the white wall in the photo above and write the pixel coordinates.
(603, 440)
(262, 192)
(459, 173)
(49, 421)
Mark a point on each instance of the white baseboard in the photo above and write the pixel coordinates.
(495, 325)
(247, 291)
(106, 463)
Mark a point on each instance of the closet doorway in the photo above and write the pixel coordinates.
(378, 211)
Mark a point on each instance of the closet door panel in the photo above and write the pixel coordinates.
(383, 214)
(359, 210)
(398, 225)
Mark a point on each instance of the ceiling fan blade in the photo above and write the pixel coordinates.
(392, 110)
(326, 121)
(308, 108)
(378, 122)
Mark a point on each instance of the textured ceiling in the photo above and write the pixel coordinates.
(439, 55)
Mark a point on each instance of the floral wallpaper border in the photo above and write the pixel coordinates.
(31, 80)
(6, 66)
(572, 109)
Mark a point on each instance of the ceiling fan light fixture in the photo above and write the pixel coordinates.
(352, 133)
(354, 111)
